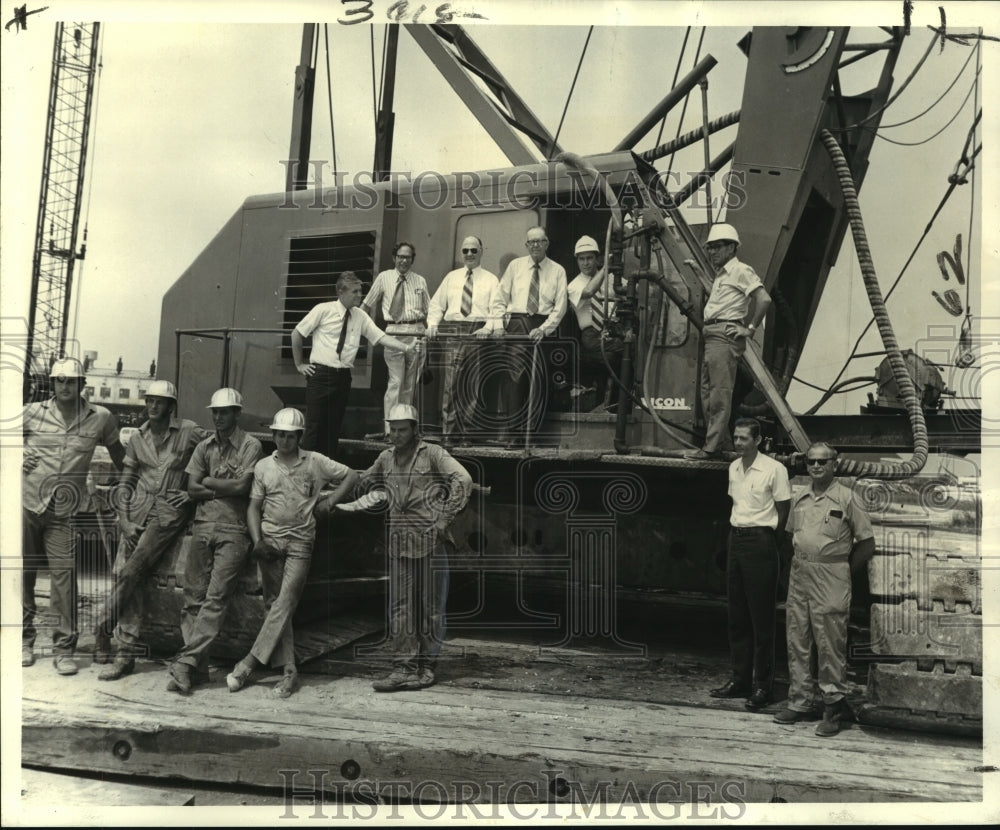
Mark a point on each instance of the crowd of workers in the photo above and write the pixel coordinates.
(239, 503)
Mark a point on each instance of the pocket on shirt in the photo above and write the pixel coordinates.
(833, 527)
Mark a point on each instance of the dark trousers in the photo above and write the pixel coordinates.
(752, 591)
(418, 595)
(522, 410)
(326, 401)
(593, 370)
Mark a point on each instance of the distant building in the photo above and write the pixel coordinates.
(123, 393)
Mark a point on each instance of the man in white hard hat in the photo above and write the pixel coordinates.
(403, 294)
(459, 308)
(286, 487)
(735, 308)
(60, 435)
(219, 477)
(154, 508)
(533, 297)
(336, 329)
(425, 488)
(590, 293)
(832, 536)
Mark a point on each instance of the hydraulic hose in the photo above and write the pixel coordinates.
(890, 470)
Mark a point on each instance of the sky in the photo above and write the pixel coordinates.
(193, 115)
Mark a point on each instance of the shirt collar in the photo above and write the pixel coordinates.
(728, 267)
(235, 439)
(301, 455)
(173, 425)
(86, 408)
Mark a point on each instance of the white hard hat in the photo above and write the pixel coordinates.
(162, 389)
(722, 232)
(288, 420)
(403, 412)
(225, 397)
(586, 245)
(68, 367)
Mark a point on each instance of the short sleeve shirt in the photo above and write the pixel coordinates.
(231, 458)
(730, 297)
(64, 452)
(289, 494)
(159, 464)
(323, 324)
(755, 492)
(827, 526)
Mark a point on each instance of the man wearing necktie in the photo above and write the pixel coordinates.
(404, 306)
(459, 308)
(533, 295)
(336, 329)
(591, 296)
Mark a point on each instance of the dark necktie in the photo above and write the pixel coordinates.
(533, 290)
(398, 301)
(343, 331)
(467, 294)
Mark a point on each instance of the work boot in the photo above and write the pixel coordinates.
(238, 677)
(789, 716)
(103, 650)
(400, 680)
(180, 678)
(426, 676)
(830, 725)
(27, 656)
(288, 684)
(65, 664)
(118, 669)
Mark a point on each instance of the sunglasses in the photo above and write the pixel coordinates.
(470, 250)
(818, 460)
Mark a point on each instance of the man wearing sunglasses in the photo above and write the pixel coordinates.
(831, 535)
(459, 308)
(403, 294)
(533, 296)
(60, 436)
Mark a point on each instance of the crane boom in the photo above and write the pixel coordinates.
(67, 130)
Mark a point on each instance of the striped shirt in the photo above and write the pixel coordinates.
(415, 296)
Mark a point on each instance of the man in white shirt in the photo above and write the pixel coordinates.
(459, 308)
(729, 321)
(336, 329)
(533, 295)
(404, 297)
(590, 294)
(758, 486)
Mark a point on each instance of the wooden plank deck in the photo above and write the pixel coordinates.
(464, 741)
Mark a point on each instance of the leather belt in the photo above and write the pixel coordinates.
(746, 531)
(416, 327)
(715, 321)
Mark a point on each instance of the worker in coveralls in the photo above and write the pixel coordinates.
(729, 321)
(831, 535)
(219, 476)
(425, 488)
(153, 512)
(286, 487)
(60, 436)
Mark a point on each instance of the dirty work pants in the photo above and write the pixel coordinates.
(718, 375)
(418, 593)
(47, 543)
(752, 573)
(216, 557)
(327, 390)
(127, 601)
(283, 580)
(404, 371)
(816, 614)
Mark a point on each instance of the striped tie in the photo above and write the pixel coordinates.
(597, 316)
(398, 303)
(533, 290)
(467, 294)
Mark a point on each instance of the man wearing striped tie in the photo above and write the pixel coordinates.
(404, 306)
(533, 294)
(459, 308)
(590, 294)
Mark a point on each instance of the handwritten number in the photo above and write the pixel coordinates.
(444, 13)
(397, 11)
(366, 10)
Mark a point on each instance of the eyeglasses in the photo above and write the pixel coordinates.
(532, 243)
(715, 246)
(818, 460)
(470, 250)
(404, 256)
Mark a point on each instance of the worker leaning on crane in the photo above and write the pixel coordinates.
(729, 321)
(154, 511)
(60, 436)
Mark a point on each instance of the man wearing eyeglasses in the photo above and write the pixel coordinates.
(831, 536)
(735, 308)
(461, 307)
(60, 436)
(404, 297)
(533, 295)
(758, 486)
